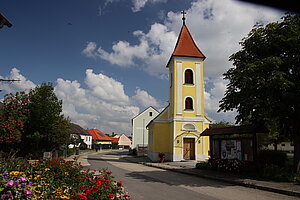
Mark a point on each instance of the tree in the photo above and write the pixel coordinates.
(14, 112)
(264, 85)
(221, 124)
(47, 127)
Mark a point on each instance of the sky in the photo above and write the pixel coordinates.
(107, 58)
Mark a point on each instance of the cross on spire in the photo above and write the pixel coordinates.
(183, 17)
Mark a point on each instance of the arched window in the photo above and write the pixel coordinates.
(188, 77)
(189, 103)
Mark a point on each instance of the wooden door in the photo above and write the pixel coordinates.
(189, 148)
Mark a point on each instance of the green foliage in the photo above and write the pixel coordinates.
(264, 85)
(33, 121)
(220, 124)
(275, 172)
(269, 157)
(46, 119)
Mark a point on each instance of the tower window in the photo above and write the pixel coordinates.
(150, 114)
(189, 103)
(188, 77)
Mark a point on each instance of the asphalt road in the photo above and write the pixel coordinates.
(150, 183)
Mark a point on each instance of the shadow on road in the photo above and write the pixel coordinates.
(175, 179)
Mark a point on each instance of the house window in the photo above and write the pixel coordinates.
(189, 103)
(188, 77)
(150, 114)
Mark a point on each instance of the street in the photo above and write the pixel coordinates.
(143, 182)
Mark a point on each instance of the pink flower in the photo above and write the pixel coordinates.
(23, 179)
(27, 192)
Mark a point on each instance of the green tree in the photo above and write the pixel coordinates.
(264, 85)
(47, 129)
(221, 124)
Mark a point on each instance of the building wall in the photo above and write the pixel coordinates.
(124, 141)
(139, 129)
(160, 141)
(87, 139)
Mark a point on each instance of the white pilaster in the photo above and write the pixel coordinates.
(179, 88)
(198, 90)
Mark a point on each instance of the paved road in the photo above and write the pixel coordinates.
(149, 183)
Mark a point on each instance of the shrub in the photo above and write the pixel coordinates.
(274, 172)
(297, 178)
(229, 165)
(269, 157)
(203, 165)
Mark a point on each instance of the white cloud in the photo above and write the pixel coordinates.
(139, 4)
(106, 88)
(103, 104)
(212, 96)
(16, 86)
(144, 100)
(154, 50)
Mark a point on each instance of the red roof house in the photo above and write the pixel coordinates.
(100, 140)
(98, 135)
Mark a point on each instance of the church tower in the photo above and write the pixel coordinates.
(176, 130)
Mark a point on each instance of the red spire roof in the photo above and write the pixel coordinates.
(98, 135)
(186, 46)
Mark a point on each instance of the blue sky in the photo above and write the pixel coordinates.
(106, 58)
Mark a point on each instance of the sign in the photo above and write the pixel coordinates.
(231, 149)
(47, 155)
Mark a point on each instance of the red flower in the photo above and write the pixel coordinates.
(110, 195)
(119, 183)
(81, 195)
(108, 172)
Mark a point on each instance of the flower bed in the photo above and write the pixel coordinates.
(59, 179)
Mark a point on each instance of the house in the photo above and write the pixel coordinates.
(80, 134)
(175, 132)
(282, 146)
(139, 130)
(100, 140)
(121, 141)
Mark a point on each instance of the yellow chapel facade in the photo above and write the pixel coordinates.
(176, 130)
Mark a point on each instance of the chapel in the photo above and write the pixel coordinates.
(175, 131)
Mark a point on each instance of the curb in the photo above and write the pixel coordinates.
(241, 183)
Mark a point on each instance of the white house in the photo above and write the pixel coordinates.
(77, 131)
(122, 141)
(139, 123)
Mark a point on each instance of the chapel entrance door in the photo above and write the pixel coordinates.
(189, 148)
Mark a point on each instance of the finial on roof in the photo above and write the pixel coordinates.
(183, 17)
